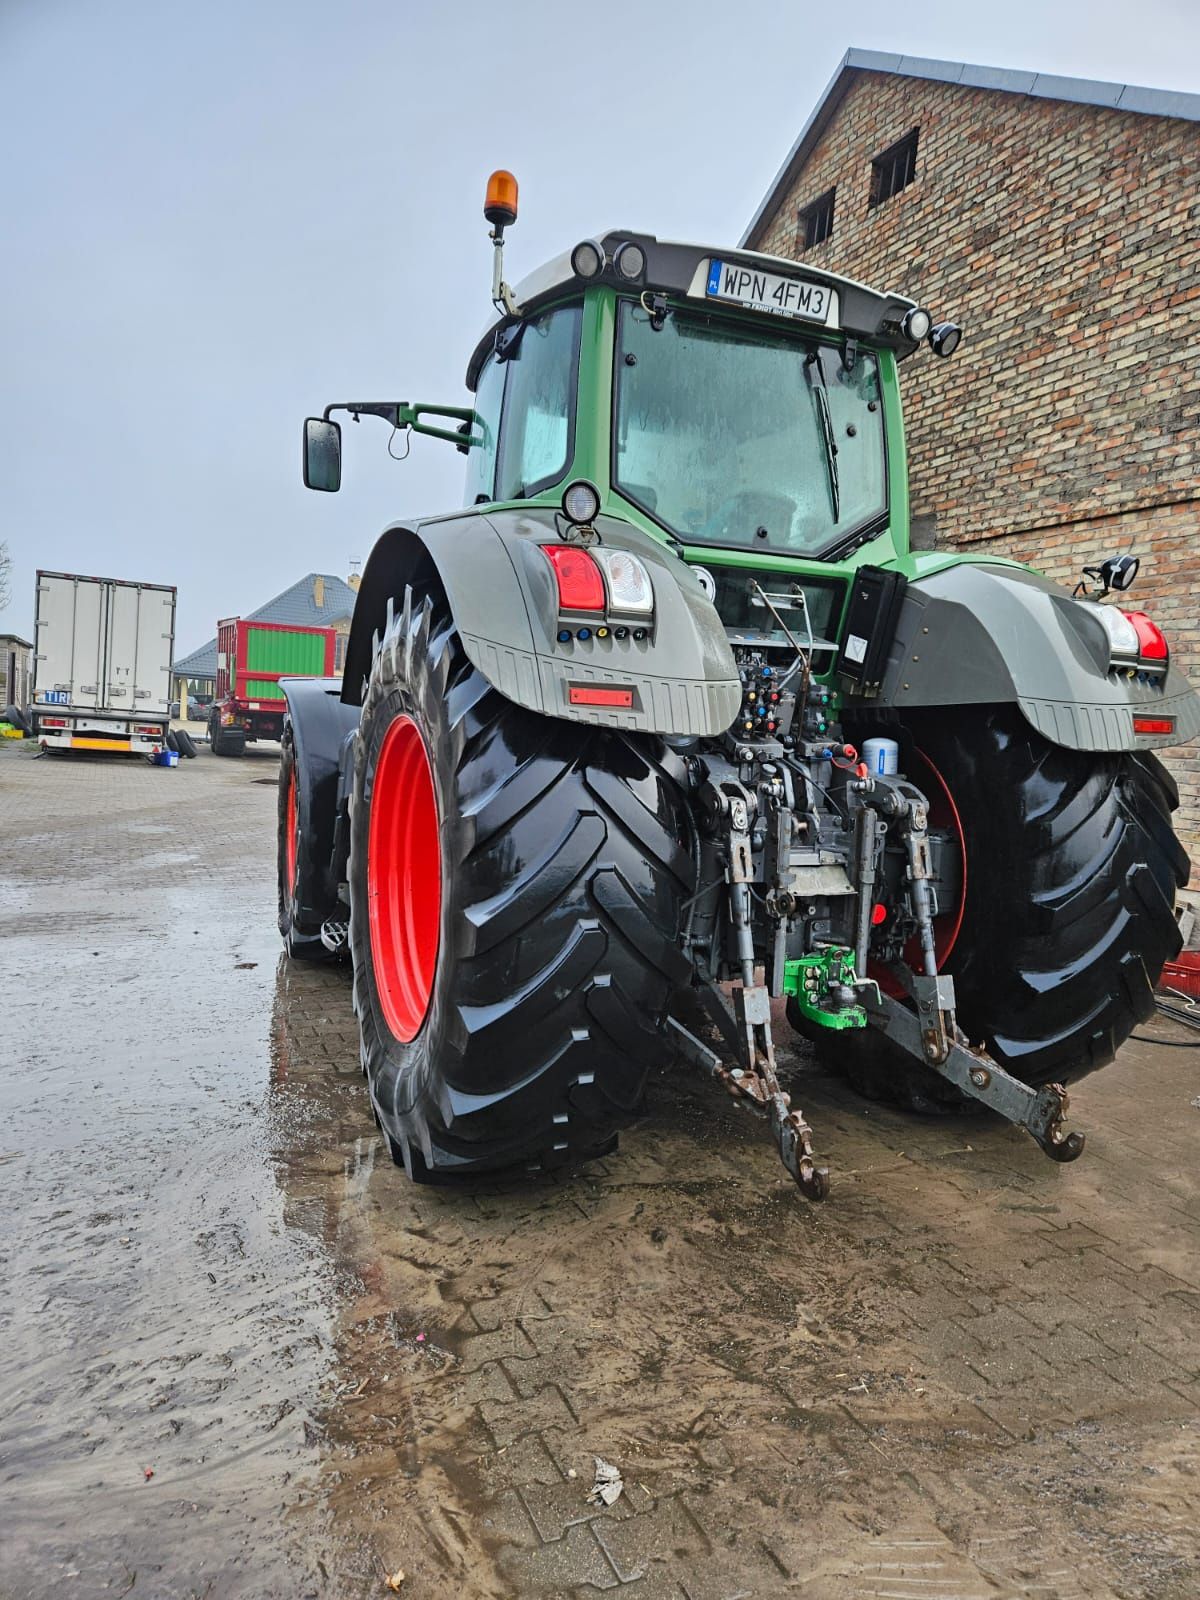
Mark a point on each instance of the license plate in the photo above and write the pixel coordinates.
(770, 291)
(56, 697)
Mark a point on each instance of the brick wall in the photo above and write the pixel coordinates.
(1064, 239)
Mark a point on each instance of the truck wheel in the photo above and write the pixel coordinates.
(228, 741)
(518, 887)
(301, 893)
(185, 744)
(1068, 916)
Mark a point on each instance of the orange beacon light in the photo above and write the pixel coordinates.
(500, 202)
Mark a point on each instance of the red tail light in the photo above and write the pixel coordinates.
(54, 722)
(580, 582)
(1152, 644)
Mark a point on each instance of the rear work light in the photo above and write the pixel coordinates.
(629, 588)
(1152, 644)
(1122, 635)
(579, 580)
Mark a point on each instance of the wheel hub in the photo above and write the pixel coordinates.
(290, 844)
(404, 879)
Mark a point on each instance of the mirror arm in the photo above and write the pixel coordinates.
(403, 415)
(389, 410)
(412, 414)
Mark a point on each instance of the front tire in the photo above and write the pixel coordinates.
(303, 903)
(518, 888)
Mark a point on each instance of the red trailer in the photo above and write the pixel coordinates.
(251, 659)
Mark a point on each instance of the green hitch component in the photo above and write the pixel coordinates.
(810, 980)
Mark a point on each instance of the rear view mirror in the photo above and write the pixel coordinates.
(322, 454)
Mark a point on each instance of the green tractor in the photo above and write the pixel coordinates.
(669, 721)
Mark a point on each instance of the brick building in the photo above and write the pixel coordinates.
(1059, 222)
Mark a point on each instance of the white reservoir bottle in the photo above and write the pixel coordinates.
(882, 757)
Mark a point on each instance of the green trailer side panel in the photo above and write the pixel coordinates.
(280, 650)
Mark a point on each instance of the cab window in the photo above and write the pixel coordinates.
(481, 458)
(537, 430)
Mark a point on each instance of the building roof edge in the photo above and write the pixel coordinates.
(1004, 80)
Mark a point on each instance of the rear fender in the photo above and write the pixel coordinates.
(681, 678)
(974, 634)
(321, 724)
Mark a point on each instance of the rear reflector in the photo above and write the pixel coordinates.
(1154, 724)
(580, 585)
(1152, 643)
(622, 698)
(54, 722)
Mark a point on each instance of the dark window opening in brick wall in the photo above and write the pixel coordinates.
(816, 220)
(894, 170)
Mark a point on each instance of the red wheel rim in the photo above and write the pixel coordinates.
(404, 879)
(943, 813)
(290, 843)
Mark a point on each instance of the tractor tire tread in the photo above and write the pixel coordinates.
(564, 888)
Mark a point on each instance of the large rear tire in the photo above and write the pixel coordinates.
(1071, 871)
(518, 886)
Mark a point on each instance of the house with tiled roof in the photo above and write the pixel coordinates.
(318, 600)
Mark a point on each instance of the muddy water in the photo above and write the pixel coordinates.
(165, 1333)
(971, 1374)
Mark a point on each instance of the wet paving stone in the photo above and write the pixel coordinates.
(970, 1373)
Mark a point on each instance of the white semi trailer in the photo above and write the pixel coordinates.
(102, 663)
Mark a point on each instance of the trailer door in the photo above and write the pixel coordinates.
(69, 655)
(155, 640)
(138, 673)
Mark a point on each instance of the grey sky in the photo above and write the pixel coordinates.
(220, 217)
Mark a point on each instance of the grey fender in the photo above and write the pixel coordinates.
(320, 725)
(681, 677)
(974, 634)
